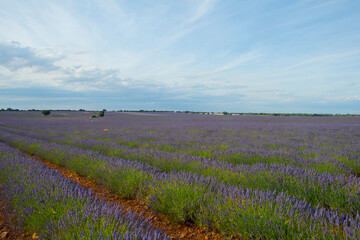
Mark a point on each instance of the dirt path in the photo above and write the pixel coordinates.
(175, 231)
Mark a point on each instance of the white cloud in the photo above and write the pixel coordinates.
(15, 57)
(201, 10)
(205, 47)
(239, 60)
(326, 59)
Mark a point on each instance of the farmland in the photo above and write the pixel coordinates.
(246, 177)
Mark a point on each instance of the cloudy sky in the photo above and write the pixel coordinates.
(206, 55)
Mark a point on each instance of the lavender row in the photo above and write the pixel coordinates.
(189, 197)
(154, 157)
(334, 191)
(298, 149)
(57, 208)
(329, 139)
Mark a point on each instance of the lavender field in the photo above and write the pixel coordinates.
(247, 177)
(57, 208)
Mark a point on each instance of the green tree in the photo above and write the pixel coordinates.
(45, 112)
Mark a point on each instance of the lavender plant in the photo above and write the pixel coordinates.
(331, 191)
(248, 176)
(57, 208)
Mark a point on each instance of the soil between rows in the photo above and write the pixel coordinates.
(174, 231)
(9, 227)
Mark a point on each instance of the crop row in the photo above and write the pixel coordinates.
(55, 207)
(206, 200)
(325, 144)
(318, 150)
(338, 192)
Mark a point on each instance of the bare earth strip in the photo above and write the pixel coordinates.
(174, 231)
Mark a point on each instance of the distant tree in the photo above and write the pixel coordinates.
(225, 113)
(101, 114)
(9, 109)
(45, 112)
(81, 110)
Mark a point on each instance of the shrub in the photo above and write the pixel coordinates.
(101, 114)
(45, 112)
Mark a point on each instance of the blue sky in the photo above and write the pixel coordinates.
(236, 56)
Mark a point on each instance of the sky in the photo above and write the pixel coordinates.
(196, 55)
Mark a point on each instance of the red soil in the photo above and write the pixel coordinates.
(9, 228)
